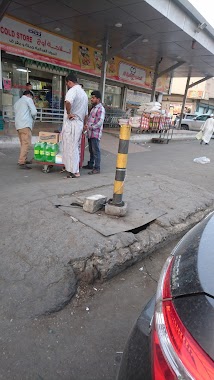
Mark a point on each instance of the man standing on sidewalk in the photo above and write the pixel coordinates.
(94, 128)
(25, 113)
(75, 116)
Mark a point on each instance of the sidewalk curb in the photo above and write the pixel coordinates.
(143, 137)
(125, 249)
(135, 138)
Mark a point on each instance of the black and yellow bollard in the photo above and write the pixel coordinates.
(116, 206)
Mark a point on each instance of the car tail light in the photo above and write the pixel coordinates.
(176, 354)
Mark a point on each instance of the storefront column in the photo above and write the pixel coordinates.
(123, 98)
(60, 91)
(104, 65)
(155, 81)
(27, 75)
(185, 97)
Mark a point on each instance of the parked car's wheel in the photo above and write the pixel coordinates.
(185, 126)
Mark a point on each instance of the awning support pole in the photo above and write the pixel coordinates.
(155, 81)
(104, 65)
(200, 81)
(185, 97)
(170, 69)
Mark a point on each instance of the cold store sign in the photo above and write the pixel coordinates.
(31, 42)
(132, 74)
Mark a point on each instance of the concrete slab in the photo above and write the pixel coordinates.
(139, 213)
(94, 203)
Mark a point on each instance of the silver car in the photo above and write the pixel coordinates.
(193, 124)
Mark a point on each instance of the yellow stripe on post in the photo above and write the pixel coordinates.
(118, 187)
(122, 160)
(125, 132)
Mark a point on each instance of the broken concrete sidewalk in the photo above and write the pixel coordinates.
(46, 250)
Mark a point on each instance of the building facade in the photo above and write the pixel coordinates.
(31, 54)
(200, 98)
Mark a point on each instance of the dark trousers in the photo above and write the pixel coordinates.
(94, 150)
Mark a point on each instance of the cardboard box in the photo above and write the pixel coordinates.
(49, 137)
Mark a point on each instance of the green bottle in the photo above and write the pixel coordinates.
(48, 151)
(42, 151)
(37, 151)
(55, 150)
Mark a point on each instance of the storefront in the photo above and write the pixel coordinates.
(46, 83)
(30, 54)
(112, 93)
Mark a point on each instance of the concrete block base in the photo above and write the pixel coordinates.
(94, 203)
(116, 210)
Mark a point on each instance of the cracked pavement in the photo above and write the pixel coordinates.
(39, 242)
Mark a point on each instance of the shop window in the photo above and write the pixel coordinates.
(112, 96)
(47, 87)
(14, 78)
(89, 86)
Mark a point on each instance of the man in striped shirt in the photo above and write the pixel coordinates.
(94, 129)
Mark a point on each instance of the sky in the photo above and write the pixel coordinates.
(206, 8)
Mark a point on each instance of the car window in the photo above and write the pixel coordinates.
(190, 116)
(202, 118)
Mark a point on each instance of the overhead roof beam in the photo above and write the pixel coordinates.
(3, 7)
(200, 81)
(124, 46)
(171, 68)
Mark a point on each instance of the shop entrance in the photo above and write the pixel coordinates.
(46, 86)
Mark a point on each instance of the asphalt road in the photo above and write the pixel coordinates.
(85, 340)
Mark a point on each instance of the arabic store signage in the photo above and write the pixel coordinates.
(132, 74)
(23, 39)
(31, 42)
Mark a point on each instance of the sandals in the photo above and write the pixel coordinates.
(71, 175)
(94, 171)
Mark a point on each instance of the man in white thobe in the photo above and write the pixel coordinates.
(75, 117)
(207, 130)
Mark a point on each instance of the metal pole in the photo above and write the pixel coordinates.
(27, 75)
(122, 158)
(154, 81)
(200, 81)
(123, 98)
(60, 91)
(104, 65)
(184, 98)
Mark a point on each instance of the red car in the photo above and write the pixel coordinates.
(173, 339)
